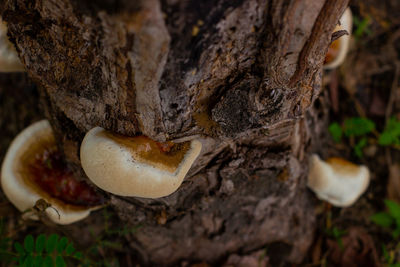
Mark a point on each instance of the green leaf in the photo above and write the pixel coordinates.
(28, 261)
(394, 208)
(21, 260)
(336, 131)
(40, 243)
(78, 255)
(383, 219)
(70, 249)
(361, 27)
(62, 244)
(337, 233)
(51, 243)
(18, 247)
(48, 262)
(29, 244)
(358, 126)
(38, 262)
(386, 139)
(359, 147)
(60, 262)
(391, 134)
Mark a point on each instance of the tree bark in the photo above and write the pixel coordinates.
(238, 74)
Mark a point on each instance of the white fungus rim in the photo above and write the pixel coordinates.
(337, 183)
(22, 195)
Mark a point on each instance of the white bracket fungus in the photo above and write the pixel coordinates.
(136, 166)
(17, 177)
(337, 181)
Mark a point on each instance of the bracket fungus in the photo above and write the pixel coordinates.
(136, 166)
(337, 181)
(33, 170)
(9, 61)
(338, 49)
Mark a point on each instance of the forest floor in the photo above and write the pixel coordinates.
(365, 90)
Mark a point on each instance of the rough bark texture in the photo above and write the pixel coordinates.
(239, 74)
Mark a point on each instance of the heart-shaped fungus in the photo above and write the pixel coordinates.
(33, 169)
(136, 166)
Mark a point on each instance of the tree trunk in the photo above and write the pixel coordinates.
(238, 74)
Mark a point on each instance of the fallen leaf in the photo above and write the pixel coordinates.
(358, 249)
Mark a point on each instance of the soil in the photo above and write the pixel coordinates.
(366, 85)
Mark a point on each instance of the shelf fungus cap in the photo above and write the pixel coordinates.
(9, 61)
(337, 181)
(338, 49)
(136, 166)
(18, 182)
